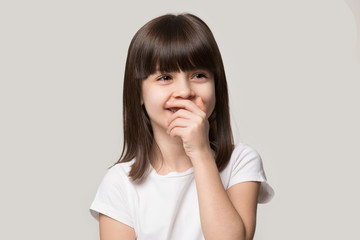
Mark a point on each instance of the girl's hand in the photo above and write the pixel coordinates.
(190, 123)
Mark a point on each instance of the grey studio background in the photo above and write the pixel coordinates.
(293, 69)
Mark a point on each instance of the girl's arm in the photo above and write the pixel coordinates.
(111, 229)
(224, 214)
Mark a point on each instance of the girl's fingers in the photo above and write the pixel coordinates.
(177, 126)
(189, 121)
(191, 125)
(199, 102)
(181, 113)
(177, 132)
(188, 105)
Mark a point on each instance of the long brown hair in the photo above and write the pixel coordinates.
(171, 43)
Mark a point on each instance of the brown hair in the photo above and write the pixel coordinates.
(171, 43)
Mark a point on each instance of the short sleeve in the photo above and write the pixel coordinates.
(112, 199)
(247, 165)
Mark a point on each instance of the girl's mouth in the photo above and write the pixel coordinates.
(173, 110)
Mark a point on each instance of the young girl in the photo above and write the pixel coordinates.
(179, 175)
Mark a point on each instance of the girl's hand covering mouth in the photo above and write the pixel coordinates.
(189, 122)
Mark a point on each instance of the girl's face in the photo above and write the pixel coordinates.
(159, 88)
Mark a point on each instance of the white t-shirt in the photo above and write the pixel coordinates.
(166, 206)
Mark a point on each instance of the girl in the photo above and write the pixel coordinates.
(179, 175)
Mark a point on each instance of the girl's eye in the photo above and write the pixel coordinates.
(164, 78)
(200, 75)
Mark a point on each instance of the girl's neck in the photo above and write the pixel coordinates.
(168, 155)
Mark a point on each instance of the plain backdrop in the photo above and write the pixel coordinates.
(293, 69)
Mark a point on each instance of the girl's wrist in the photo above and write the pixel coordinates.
(203, 156)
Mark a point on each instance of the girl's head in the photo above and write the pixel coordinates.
(171, 43)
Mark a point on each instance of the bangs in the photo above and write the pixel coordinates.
(173, 45)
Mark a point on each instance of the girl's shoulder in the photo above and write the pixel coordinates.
(246, 159)
(246, 165)
(242, 155)
(243, 150)
(122, 166)
(119, 171)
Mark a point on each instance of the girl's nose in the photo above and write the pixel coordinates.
(183, 90)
